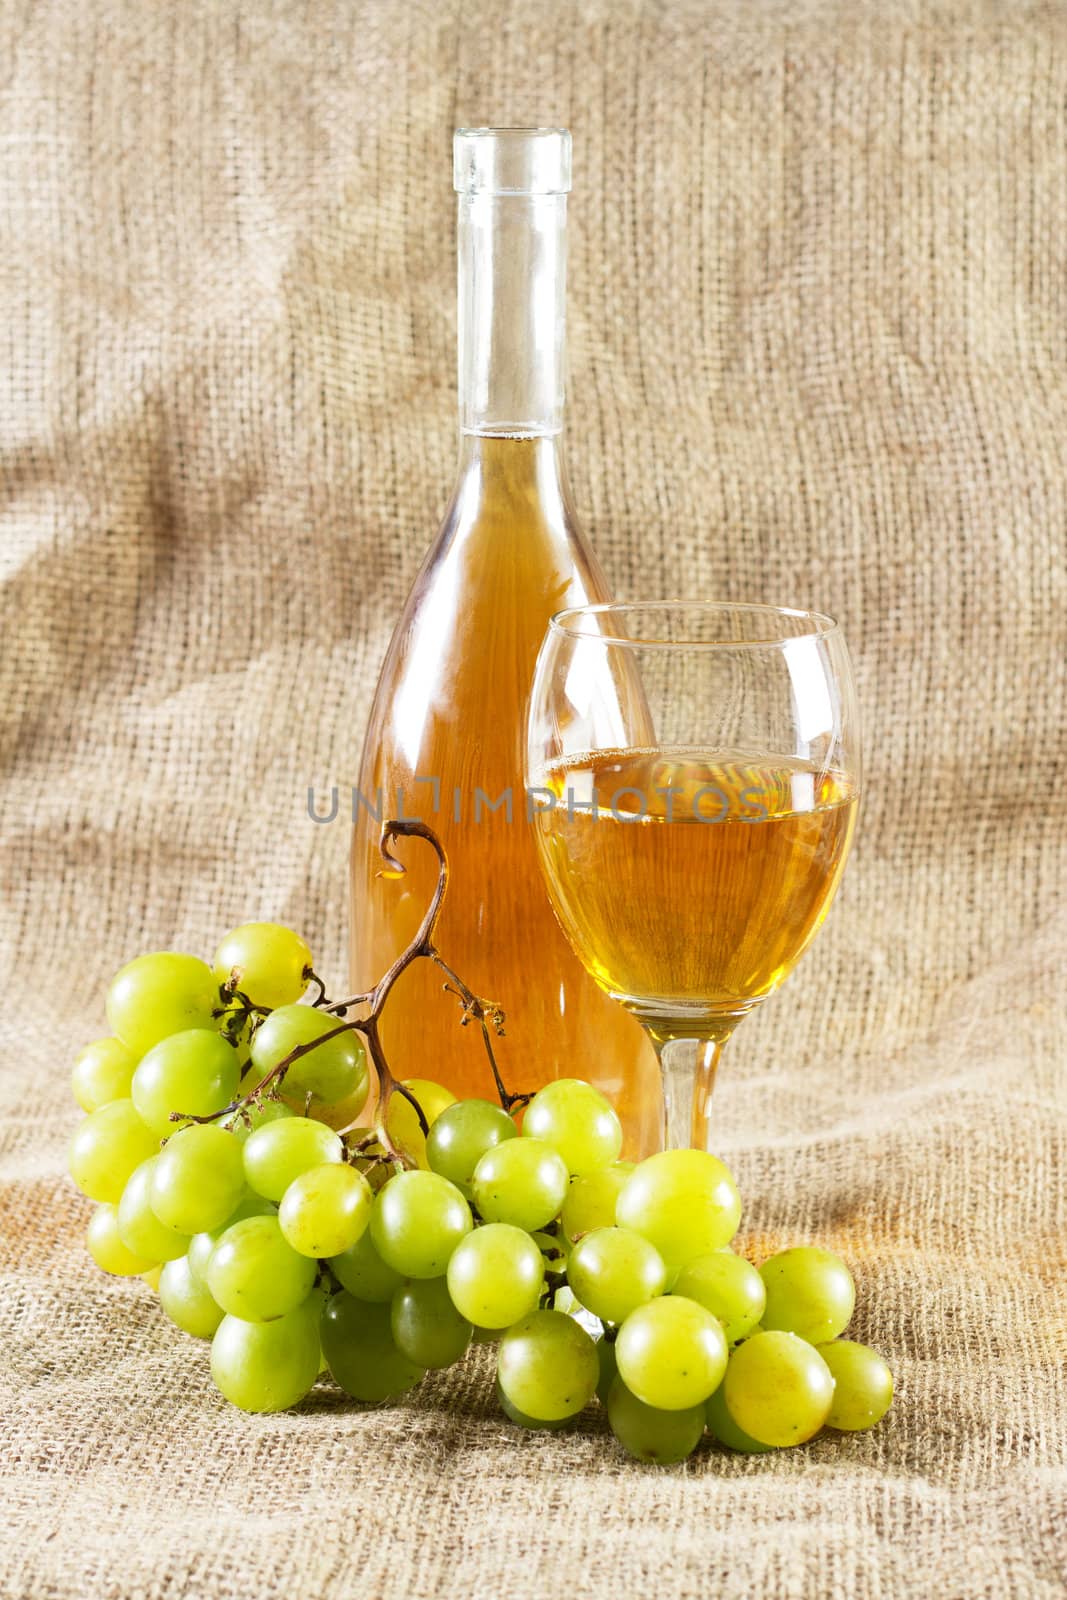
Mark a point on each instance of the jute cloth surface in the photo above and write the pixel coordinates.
(818, 334)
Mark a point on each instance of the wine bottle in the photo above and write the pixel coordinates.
(446, 736)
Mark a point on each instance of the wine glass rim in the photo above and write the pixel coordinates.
(494, 130)
(821, 623)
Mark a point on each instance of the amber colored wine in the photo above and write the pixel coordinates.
(699, 891)
(451, 706)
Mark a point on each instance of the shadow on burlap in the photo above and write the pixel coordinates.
(818, 311)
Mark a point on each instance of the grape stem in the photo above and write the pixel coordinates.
(486, 1013)
(312, 977)
(236, 1015)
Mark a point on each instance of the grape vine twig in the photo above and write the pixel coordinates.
(486, 1013)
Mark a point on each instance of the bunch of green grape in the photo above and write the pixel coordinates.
(299, 1250)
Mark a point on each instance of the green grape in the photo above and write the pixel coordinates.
(810, 1292)
(198, 1179)
(374, 1167)
(590, 1201)
(578, 1121)
(102, 1072)
(486, 1335)
(671, 1353)
(254, 1274)
(202, 1244)
(361, 1270)
(187, 1302)
(236, 1025)
(496, 1275)
(863, 1385)
(547, 1366)
(722, 1427)
(325, 1209)
(250, 1117)
(278, 1152)
(107, 1248)
(316, 1304)
(426, 1326)
(609, 1367)
(340, 1117)
(139, 1228)
(553, 1251)
(357, 1341)
(650, 1434)
(684, 1201)
(160, 994)
(271, 963)
(401, 1123)
(522, 1181)
(195, 1072)
(417, 1222)
(521, 1420)
(613, 1271)
(778, 1388)
(153, 1275)
(729, 1287)
(460, 1137)
(331, 1072)
(106, 1147)
(267, 1366)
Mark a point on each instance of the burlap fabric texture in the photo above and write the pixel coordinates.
(817, 329)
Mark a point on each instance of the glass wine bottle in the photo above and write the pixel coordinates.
(446, 737)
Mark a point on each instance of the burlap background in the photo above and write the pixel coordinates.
(818, 313)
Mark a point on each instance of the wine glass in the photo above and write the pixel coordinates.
(693, 779)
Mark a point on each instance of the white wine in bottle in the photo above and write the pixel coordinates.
(446, 738)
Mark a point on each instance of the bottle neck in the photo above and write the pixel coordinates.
(512, 288)
(521, 477)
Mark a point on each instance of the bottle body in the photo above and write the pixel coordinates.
(446, 741)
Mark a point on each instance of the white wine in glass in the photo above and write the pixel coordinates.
(694, 784)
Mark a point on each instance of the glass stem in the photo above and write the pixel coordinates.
(688, 1067)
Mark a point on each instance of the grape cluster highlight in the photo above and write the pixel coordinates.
(301, 1242)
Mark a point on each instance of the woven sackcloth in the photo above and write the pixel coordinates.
(818, 355)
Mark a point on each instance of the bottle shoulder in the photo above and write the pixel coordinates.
(484, 588)
(461, 658)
